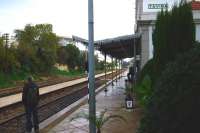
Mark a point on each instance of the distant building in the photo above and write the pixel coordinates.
(146, 13)
(63, 41)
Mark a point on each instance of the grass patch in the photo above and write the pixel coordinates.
(17, 78)
(9, 80)
(72, 73)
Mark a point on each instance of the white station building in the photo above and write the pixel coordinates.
(146, 13)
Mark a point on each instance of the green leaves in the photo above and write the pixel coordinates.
(171, 94)
(70, 55)
(174, 32)
(100, 119)
(73, 54)
(173, 106)
(37, 47)
(144, 90)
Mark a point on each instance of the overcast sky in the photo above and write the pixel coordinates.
(70, 17)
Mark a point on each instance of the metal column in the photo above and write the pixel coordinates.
(92, 106)
(117, 68)
(112, 70)
(116, 72)
(121, 66)
(134, 80)
(105, 69)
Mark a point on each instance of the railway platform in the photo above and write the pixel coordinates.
(113, 101)
(54, 101)
(15, 98)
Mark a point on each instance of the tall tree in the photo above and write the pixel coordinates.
(2, 54)
(8, 61)
(174, 32)
(73, 54)
(37, 47)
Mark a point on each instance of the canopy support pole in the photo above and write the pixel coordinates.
(105, 69)
(116, 69)
(112, 71)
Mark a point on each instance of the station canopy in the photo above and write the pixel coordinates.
(119, 47)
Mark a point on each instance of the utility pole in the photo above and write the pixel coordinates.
(6, 35)
(92, 101)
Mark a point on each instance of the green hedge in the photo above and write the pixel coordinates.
(144, 90)
(174, 104)
(146, 70)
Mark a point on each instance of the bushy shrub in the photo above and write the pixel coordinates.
(146, 70)
(174, 104)
(144, 90)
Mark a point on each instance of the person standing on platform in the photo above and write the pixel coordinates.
(30, 99)
(131, 74)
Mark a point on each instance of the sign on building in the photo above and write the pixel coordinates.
(157, 5)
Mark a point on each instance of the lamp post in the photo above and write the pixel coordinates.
(92, 106)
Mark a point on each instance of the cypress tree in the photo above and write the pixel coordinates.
(174, 34)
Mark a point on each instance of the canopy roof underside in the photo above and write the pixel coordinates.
(119, 47)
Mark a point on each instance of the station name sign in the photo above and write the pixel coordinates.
(157, 6)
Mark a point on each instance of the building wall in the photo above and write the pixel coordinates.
(144, 30)
(150, 42)
(145, 25)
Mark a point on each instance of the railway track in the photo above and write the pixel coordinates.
(12, 117)
(51, 81)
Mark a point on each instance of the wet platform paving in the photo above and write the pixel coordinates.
(113, 101)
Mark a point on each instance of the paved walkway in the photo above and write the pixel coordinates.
(113, 101)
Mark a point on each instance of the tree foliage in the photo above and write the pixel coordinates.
(173, 106)
(62, 55)
(174, 34)
(82, 60)
(8, 61)
(72, 56)
(37, 47)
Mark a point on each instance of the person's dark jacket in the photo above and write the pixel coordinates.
(131, 73)
(25, 98)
